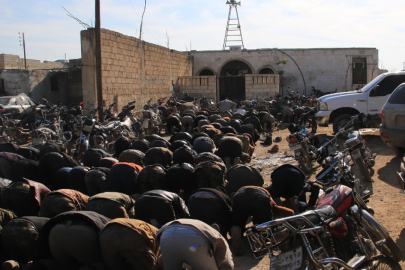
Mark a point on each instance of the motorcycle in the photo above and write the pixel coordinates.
(151, 120)
(117, 126)
(207, 104)
(303, 142)
(88, 135)
(19, 129)
(363, 157)
(341, 233)
(318, 93)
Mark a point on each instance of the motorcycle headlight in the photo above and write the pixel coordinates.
(323, 106)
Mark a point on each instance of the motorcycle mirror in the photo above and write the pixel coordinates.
(67, 136)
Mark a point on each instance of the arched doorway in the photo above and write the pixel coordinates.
(232, 80)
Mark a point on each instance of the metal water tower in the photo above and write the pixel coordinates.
(233, 33)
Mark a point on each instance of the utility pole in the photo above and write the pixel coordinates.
(23, 45)
(98, 62)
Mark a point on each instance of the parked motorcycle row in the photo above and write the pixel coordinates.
(341, 232)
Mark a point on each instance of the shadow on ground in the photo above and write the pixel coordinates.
(387, 173)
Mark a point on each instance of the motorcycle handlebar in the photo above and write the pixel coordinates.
(149, 100)
(342, 130)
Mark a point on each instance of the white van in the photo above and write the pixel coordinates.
(339, 107)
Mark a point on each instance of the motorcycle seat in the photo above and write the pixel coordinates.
(321, 214)
(108, 125)
(100, 128)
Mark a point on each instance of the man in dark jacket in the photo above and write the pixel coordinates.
(212, 206)
(287, 182)
(257, 203)
(157, 207)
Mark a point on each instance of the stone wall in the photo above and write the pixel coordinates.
(327, 69)
(200, 86)
(10, 61)
(16, 81)
(263, 85)
(131, 69)
(197, 86)
(37, 84)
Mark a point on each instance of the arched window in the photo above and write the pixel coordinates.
(266, 71)
(206, 72)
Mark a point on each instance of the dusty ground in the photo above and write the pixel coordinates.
(387, 201)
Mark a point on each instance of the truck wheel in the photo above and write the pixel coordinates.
(340, 121)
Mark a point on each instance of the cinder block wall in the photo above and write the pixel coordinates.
(131, 69)
(10, 61)
(261, 85)
(197, 86)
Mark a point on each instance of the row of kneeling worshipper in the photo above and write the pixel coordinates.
(59, 214)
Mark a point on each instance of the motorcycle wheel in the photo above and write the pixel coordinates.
(369, 157)
(364, 173)
(390, 249)
(306, 164)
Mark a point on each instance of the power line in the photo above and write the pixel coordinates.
(144, 26)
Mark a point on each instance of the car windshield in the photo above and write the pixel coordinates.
(4, 101)
(372, 83)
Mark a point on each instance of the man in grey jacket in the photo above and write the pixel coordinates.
(226, 105)
(195, 243)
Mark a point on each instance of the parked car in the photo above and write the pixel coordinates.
(338, 108)
(392, 127)
(16, 104)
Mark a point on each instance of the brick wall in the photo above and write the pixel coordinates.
(10, 61)
(131, 69)
(265, 85)
(197, 86)
(200, 86)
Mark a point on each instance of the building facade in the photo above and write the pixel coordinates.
(243, 74)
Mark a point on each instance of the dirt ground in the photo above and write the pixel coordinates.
(387, 200)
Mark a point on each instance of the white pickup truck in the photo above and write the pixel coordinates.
(339, 107)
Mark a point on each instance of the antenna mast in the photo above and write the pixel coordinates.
(233, 29)
(85, 25)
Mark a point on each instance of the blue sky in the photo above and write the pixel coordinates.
(50, 33)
